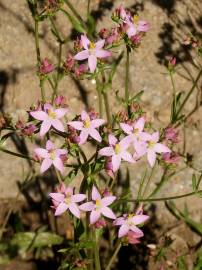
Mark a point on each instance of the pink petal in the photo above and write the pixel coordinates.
(48, 106)
(131, 31)
(92, 62)
(41, 152)
(116, 161)
(108, 200)
(161, 148)
(39, 115)
(140, 148)
(59, 197)
(95, 134)
(76, 124)
(97, 122)
(123, 230)
(119, 221)
(61, 112)
(125, 142)
(57, 124)
(94, 216)
(126, 128)
(102, 53)
(60, 152)
(82, 55)
(95, 194)
(144, 136)
(45, 165)
(83, 136)
(89, 206)
(151, 156)
(112, 139)
(62, 207)
(45, 126)
(143, 26)
(140, 124)
(68, 191)
(84, 116)
(155, 137)
(139, 219)
(85, 41)
(49, 145)
(73, 208)
(135, 229)
(107, 212)
(78, 197)
(106, 151)
(57, 162)
(100, 44)
(127, 157)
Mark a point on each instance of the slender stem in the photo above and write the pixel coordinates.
(43, 97)
(96, 253)
(160, 184)
(88, 9)
(148, 182)
(16, 154)
(76, 14)
(99, 98)
(114, 256)
(127, 77)
(189, 93)
(58, 176)
(173, 84)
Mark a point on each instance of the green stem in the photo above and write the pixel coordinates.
(114, 256)
(96, 253)
(16, 154)
(42, 90)
(99, 98)
(76, 14)
(88, 9)
(148, 182)
(106, 101)
(160, 184)
(127, 77)
(189, 93)
(58, 176)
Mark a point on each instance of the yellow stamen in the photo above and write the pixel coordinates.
(135, 130)
(135, 19)
(92, 45)
(67, 200)
(52, 155)
(117, 148)
(86, 123)
(151, 144)
(52, 114)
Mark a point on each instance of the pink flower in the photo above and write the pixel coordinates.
(133, 237)
(49, 117)
(135, 26)
(99, 206)
(137, 136)
(171, 158)
(51, 156)
(46, 67)
(29, 130)
(117, 150)
(154, 147)
(87, 127)
(171, 134)
(129, 223)
(92, 51)
(101, 223)
(67, 200)
(60, 101)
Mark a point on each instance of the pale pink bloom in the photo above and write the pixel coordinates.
(60, 101)
(129, 223)
(101, 223)
(51, 156)
(46, 67)
(171, 134)
(117, 150)
(133, 237)
(49, 117)
(87, 127)
(92, 51)
(135, 26)
(154, 147)
(137, 135)
(171, 158)
(99, 206)
(67, 200)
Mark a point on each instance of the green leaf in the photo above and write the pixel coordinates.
(181, 264)
(114, 67)
(194, 185)
(91, 25)
(75, 23)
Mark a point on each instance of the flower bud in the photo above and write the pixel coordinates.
(46, 67)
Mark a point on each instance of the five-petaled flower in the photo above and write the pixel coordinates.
(129, 223)
(51, 156)
(49, 117)
(154, 147)
(117, 150)
(87, 127)
(67, 200)
(99, 206)
(92, 51)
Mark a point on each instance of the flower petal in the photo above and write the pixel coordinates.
(60, 152)
(82, 55)
(49, 145)
(94, 216)
(126, 128)
(61, 112)
(116, 161)
(151, 156)
(41, 152)
(161, 148)
(97, 122)
(100, 44)
(127, 157)
(45, 126)
(89, 206)
(102, 53)
(106, 151)
(124, 229)
(85, 41)
(62, 207)
(73, 208)
(39, 115)
(112, 139)
(57, 162)
(59, 197)
(140, 124)
(125, 142)
(108, 200)
(83, 136)
(119, 221)
(95, 134)
(45, 165)
(95, 194)
(135, 229)
(84, 115)
(57, 124)
(138, 219)
(78, 197)
(92, 62)
(155, 137)
(76, 124)
(107, 212)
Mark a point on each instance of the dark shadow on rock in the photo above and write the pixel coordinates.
(4, 80)
(167, 5)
